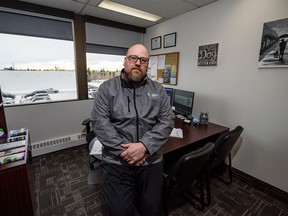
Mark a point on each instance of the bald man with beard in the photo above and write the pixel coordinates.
(132, 118)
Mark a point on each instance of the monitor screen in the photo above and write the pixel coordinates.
(183, 102)
(169, 92)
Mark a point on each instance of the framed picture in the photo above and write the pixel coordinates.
(273, 49)
(170, 40)
(156, 43)
(207, 55)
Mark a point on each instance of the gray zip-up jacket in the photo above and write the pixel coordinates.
(124, 114)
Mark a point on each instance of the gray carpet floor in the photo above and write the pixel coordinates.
(65, 185)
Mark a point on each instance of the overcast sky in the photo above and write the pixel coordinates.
(24, 52)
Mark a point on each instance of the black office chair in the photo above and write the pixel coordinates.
(179, 178)
(221, 151)
(90, 136)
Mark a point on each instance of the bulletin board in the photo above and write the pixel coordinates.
(163, 68)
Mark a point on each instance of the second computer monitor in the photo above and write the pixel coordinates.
(183, 102)
(169, 92)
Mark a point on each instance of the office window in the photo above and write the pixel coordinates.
(106, 48)
(29, 64)
(101, 67)
(37, 59)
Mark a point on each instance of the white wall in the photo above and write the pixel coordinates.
(51, 120)
(236, 92)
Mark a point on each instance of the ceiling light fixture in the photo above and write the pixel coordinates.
(106, 4)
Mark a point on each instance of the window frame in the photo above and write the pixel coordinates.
(79, 34)
(20, 25)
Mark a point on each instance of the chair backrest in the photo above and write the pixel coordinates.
(224, 144)
(90, 134)
(190, 165)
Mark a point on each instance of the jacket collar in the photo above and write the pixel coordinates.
(127, 84)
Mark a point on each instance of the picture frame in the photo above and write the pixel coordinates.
(156, 43)
(208, 55)
(273, 47)
(170, 40)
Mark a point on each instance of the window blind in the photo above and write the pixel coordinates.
(35, 26)
(112, 37)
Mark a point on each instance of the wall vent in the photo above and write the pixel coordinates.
(56, 144)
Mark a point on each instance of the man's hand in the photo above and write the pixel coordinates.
(134, 153)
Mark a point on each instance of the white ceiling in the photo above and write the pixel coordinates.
(164, 8)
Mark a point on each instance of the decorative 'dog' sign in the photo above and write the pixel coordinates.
(207, 55)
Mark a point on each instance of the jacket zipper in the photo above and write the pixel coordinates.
(137, 116)
(128, 103)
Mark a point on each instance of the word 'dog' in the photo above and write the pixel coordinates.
(207, 55)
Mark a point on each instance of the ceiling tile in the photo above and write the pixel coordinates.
(164, 8)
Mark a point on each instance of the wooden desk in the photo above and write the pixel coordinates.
(193, 135)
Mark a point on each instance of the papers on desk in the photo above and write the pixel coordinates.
(97, 148)
(177, 132)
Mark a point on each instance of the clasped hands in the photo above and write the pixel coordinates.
(134, 154)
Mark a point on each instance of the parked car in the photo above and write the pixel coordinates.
(31, 97)
(31, 94)
(8, 100)
(39, 95)
(92, 90)
(51, 90)
(41, 99)
(8, 95)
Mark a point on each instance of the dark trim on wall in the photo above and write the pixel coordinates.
(24, 6)
(80, 57)
(262, 186)
(114, 24)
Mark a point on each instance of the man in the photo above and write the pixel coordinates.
(282, 46)
(132, 118)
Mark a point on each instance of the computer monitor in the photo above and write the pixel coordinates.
(183, 102)
(169, 92)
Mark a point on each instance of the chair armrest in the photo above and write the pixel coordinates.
(86, 121)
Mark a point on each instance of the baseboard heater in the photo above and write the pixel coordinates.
(48, 146)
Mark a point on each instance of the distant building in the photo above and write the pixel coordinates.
(102, 74)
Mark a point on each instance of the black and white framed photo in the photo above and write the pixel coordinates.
(170, 40)
(156, 43)
(273, 48)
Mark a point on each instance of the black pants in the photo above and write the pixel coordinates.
(131, 189)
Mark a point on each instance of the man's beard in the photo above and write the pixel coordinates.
(135, 77)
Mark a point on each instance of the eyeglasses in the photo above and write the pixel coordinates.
(134, 59)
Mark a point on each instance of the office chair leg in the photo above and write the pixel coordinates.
(202, 188)
(200, 200)
(230, 170)
(208, 188)
(229, 173)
